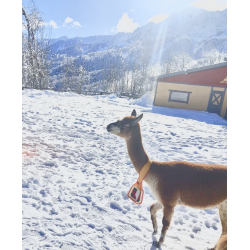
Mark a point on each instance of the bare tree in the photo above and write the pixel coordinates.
(80, 78)
(68, 72)
(35, 49)
(182, 60)
(168, 62)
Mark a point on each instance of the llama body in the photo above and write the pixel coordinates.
(175, 182)
(191, 184)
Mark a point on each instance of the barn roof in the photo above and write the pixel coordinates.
(212, 75)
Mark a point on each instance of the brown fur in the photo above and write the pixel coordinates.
(222, 243)
(196, 185)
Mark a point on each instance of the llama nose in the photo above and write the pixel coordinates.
(108, 127)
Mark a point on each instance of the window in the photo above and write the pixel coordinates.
(179, 96)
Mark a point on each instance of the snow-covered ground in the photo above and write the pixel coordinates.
(76, 175)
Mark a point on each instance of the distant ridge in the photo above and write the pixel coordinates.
(193, 28)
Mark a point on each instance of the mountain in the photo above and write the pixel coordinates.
(193, 30)
(188, 39)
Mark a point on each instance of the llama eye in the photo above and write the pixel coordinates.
(124, 126)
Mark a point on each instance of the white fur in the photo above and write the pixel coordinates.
(223, 215)
(115, 130)
(153, 182)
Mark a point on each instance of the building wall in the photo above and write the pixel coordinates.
(198, 99)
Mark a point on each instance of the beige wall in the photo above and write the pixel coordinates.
(198, 99)
(224, 106)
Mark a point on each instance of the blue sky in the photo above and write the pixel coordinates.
(107, 17)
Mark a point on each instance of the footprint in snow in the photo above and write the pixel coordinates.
(179, 221)
(196, 229)
(210, 211)
(216, 219)
(50, 164)
(214, 226)
(207, 224)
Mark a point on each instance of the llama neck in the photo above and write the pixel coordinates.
(135, 148)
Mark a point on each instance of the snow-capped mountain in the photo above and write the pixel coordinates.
(195, 30)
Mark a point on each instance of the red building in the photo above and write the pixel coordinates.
(203, 89)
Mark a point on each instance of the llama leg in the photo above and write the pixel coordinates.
(153, 210)
(222, 243)
(168, 212)
(223, 216)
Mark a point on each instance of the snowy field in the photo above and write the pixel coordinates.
(76, 175)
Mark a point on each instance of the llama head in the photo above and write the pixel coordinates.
(124, 127)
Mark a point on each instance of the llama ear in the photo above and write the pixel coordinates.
(133, 113)
(136, 120)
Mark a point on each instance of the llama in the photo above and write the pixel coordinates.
(222, 243)
(173, 183)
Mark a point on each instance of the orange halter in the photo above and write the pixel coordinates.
(136, 192)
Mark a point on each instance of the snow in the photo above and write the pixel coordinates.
(76, 175)
(146, 100)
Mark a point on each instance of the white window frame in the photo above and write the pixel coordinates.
(172, 99)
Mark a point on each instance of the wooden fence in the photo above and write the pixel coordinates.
(85, 92)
